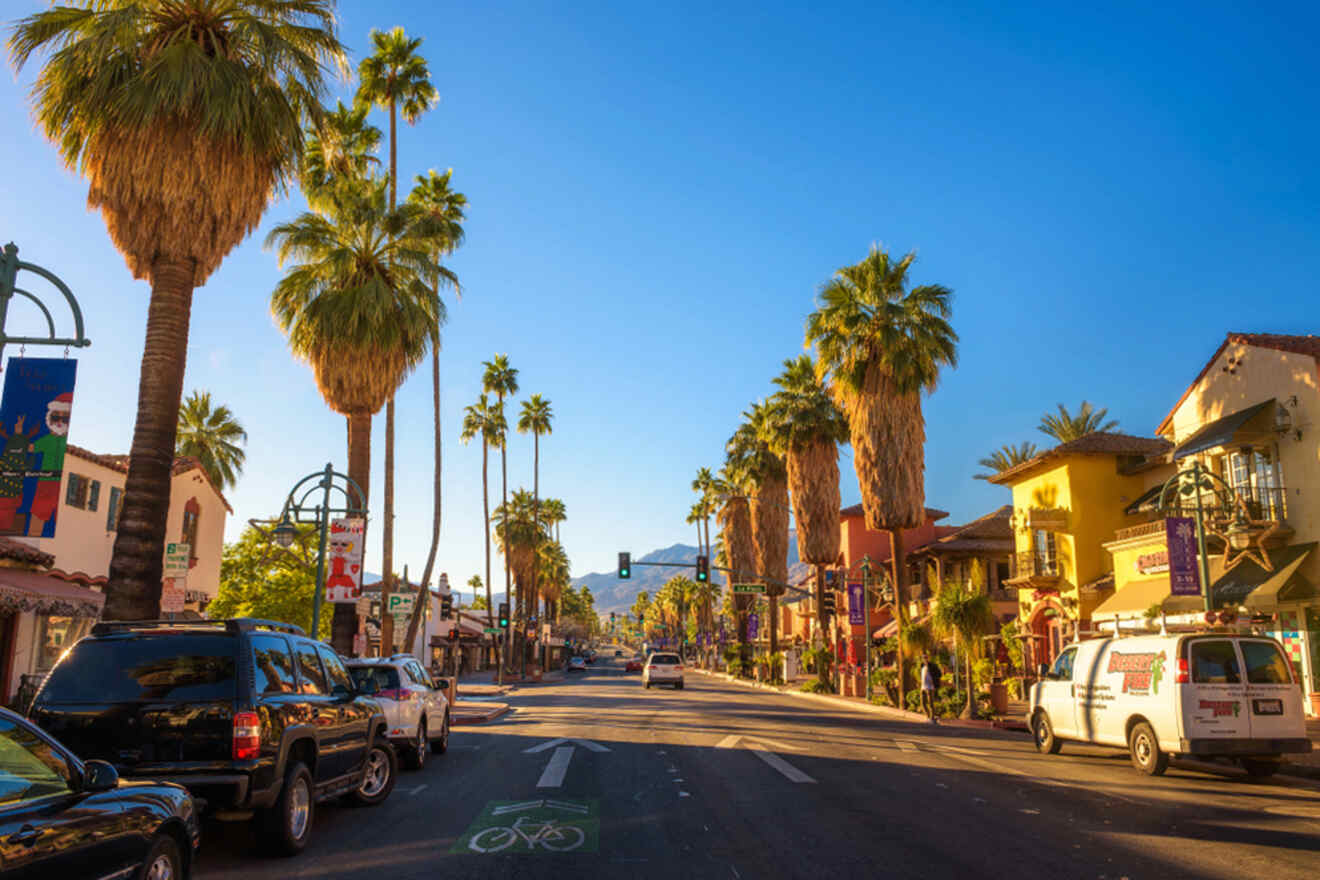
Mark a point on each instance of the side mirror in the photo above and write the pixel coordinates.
(1044, 670)
(99, 776)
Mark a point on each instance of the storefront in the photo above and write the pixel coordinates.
(41, 616)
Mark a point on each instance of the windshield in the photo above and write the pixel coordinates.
(664, 660)
(145, 668)
(385, 678)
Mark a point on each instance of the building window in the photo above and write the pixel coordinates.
(112, 511)
(1047, 559)
(1254, 477)
(76, 494)
(191, 513)
(55, 635)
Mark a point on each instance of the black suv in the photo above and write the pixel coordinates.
(249, 715)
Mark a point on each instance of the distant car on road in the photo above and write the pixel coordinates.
(634, 664)
(62, 817)
(416, 707)
(577, 664)
(663, 669)
(618, 653)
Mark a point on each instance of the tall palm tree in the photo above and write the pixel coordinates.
(1066, 427)
(501, 380)
(964, 614)
(396, 78)
(185, 121)
(432, 194)
(357, 307)
(1005, 457)
(485, 421)
(735, 520)
(340, 147)
(881, 345)
(535, 419)
(553, 574)
(707, 489)
(696, 514)
(213, 436)
(763, 472)
(806, 427)
(517, 533)
(553, 513)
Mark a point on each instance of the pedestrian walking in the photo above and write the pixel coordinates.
(930, 683)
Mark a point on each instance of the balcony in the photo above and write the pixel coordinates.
(1032, 568)
(1259, 505)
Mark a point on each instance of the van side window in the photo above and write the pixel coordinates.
(1063, 667)
(1215, 663)
(1265, 665)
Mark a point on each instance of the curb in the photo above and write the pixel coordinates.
(463, 719)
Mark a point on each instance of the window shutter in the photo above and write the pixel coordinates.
(71, 493)
(112, 512)
(94, 495)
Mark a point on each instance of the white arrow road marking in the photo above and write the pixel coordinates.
(906, 746)
(761, 748)
(555, 768)
(551, 743)
(732, 740)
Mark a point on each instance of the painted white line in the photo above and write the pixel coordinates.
(418, 789)
(727, 743)
(906, 746)
(684, 794)
(555, 768)
(791, 773)
(552, 743)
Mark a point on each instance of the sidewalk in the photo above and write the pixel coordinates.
(464, 713)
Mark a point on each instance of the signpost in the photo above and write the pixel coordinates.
(401, 604)
(749, 588)
(174, 583)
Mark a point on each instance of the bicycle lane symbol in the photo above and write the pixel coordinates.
(532, 826)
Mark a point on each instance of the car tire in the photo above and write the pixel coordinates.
(414, 757)
(1042, 732)
(647, 685)
(379, 775)
(1260, 768)
(163, 859)
(1145, 751)
(440, 744)
(679, 685)
(287, 825)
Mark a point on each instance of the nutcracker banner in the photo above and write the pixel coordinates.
(343, 581)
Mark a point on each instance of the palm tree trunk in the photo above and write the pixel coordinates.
(822, 671)
(898, 557)
(485, 518)
(424, 597)
(133, 591)
(773, 614)
(387, 548)
(344, 624)
(508, 577)
(536, 519)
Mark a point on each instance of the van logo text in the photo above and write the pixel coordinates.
(1221, 708)
(1141, 672)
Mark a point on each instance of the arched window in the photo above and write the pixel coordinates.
(192, 512)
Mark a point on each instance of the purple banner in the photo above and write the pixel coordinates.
(753, 626)
(1184, 573)
(855, 609)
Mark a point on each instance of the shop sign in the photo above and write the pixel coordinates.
(1153, 563)
(1184, 574)
(34, 433)
(343, 582)
(1052, 519)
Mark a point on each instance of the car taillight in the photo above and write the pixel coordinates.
(1183, 676)
(247, 736)
(678, 668)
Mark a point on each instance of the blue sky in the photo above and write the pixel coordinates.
(657, 192)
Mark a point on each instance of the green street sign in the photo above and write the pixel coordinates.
(749, 588)
(493, 630)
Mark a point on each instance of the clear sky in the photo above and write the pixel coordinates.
(658, 190)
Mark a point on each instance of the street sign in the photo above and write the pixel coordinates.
(401, 603)
(749, 588)
(176, 560)
(491, 630)
(172, 595)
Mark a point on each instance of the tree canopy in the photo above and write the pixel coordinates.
(259, 579)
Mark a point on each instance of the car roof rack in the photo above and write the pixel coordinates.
(237, 624)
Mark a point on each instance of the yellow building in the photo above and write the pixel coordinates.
(1249, 419)
(1067, 501)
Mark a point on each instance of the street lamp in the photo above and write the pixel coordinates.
(303, 508)
(1192, 482)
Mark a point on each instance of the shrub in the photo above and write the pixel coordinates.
(816, 686)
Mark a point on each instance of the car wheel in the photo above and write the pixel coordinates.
(1259, 768)
(440, 745)
(415, 756)
(647, 685)
(679, 685)
(379, 775)
(288, 824)
(163, 861)
(1043, 734)
(1146, 754)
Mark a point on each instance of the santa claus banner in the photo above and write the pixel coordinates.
(34, 431)
(343, 565)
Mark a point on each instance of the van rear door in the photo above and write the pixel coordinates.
(1275, 702)
(1214, 701)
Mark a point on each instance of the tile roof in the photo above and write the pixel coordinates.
(182, 464)
(1306, 345)
(994, 531)
(1095, 443)
(19, 551)
(932, 513)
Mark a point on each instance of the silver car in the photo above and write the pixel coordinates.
(416, 707)
(663, 669)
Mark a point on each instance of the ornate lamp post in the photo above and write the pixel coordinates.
(10, 266)
(303, 508)
(1195, 481)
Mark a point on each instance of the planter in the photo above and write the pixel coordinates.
(999, 698)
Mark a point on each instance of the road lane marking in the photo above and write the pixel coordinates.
(417, 790)
(555, 768)
(906, 746)
(791, 773)
(559, 741)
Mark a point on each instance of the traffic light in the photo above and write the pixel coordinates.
(641, 619)
(703, 569)
(827, 603)
(453, 634)
(446, 605)
(504, 615)
(625, 566)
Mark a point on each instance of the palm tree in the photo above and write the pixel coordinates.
(696, 514)
(764, 473)
(483, 420)
(553, 573)
(501, 380)
(185, 121)
(640, 604)
(707, 489)
(339, 149)
(806, 427)
(735, 520)
(394, 76)
(357, 306)
(517, 533)
(964, 614)
(1005, 457)
(1066, 427)
(881, 345)
(432, 194)
(553, 513)
(535, 419)
(213, 437)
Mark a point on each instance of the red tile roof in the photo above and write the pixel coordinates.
(1095, 443)
(23, 552)
(1305, 345)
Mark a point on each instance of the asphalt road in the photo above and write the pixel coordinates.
(718, 780)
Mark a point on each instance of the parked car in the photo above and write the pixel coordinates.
(62, 817)
(634, 664)
(663, 669)
(1209, 696)
(576, 664)
(250, 716)
(618, 653)
(416, 706)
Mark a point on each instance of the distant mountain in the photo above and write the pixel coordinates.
(612, 594)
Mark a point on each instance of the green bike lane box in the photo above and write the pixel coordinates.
(536, 825)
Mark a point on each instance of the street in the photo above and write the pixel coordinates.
(597, 777)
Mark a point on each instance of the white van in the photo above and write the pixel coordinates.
(1209, 696)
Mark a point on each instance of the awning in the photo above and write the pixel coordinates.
(36, 592)
(1137, 596)
(1147, 503)
(1260, 590)
(1220, 432)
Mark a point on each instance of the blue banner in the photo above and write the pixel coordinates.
(34, 430)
